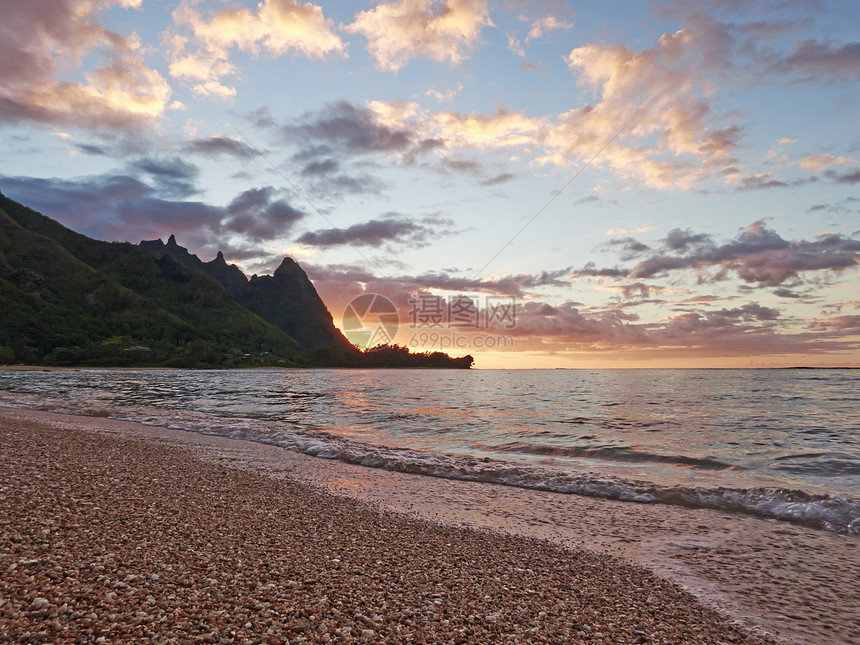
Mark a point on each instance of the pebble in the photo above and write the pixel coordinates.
(246, 558)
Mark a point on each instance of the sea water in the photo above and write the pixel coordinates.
(775, 443)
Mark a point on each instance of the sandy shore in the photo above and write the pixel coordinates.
(107, 538)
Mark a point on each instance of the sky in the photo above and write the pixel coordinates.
(537, 184)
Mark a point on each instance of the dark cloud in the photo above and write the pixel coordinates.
(173, 176)
(339, 279)
(375, 233)
(850, 324)
(109, 207)
(313, 153)
(841, 208)
(350, 129)
(775, 29)
(498, 179)
(757, 255)
(324, 167)
(678, 240)
(630, 248)
(566, 323)
(92, 149)
(218, 146)
(591, 270)
(760, 182)
(786, 293)
(848, 177)
(840, 62)
(342, 130)
(760, 255)
(258, 216)
(462, 165)
(260, 118)
(635, 289)
(124, 208)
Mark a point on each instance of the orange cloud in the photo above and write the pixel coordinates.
(501, 129)
(277, 28)
(656, 91)
(549, 23)
(41, 40)
(819, 162)
(402, 30)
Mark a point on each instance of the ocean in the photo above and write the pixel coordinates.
(782, 443)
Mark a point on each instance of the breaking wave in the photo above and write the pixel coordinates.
(838, 513)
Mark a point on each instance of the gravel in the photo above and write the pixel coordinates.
(107, 540)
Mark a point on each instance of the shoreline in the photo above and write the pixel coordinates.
(767, 575)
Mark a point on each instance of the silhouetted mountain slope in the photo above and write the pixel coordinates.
(67, 299)
(286, 299)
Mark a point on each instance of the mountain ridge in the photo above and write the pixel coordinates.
(72, 300)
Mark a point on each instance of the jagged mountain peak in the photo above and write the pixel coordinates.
(286, 299)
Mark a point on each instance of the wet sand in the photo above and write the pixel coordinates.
(796, 583)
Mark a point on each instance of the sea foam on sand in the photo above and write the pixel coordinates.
(791, 581)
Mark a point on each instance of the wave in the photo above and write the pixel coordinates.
(838, 513)
(615, 453)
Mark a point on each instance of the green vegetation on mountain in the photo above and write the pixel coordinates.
(69, 300)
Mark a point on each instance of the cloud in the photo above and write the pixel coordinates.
(756, 255)
(819, 162)
(515, 45)
(658, 93)
(499, 130)
(752, 181)
(371, 233)
(444, 96)
(681, 240)
(749, 329)
(352, 129)
(324, 167)
(217, 146)
(125, 208)
(591, 270)
(850, 324)
(546, 24)
(838, 61)
(849, 177)
(630, 248)
(173, 176)
(200, 49)
(42, 41)
(393, 228)
(627, 231)
(92, 149)
(440, 30)
(339, 283)
(636, 289)
(259, 217)
(498, 179)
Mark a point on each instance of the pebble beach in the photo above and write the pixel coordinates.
(107, 539)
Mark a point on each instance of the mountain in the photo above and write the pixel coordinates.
(286, 299)
(70, 300)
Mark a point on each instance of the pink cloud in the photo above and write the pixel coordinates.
(39, 41)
